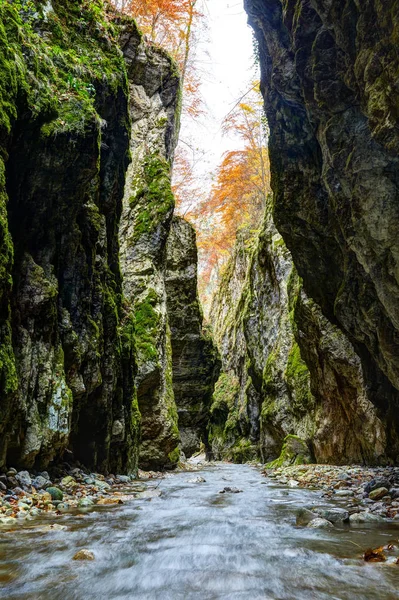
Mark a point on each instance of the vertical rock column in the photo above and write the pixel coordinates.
(146, 218)
(195, 360)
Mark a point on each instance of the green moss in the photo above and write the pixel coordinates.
(56, 76)
(146, 326)
(294, 452)
(298, 380)
(174, 456)
(154, 199)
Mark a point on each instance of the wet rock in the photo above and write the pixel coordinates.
(378, 493)
(55, 493)
(394, 493)
(3, 487)
(335, 515)
(364, 517)
(11, 472)
(63, 507)
(196, 480)
(377, 482)
(40, 482)
(85, 503)
(102, 485)
(319, 523)
(84, 555)
(305, 516)
(230, 490)
(123, 478)
(344, 493)
(11, 482)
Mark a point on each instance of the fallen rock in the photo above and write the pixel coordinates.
(230, 490)
(377, 482)
(305, 516)
(196, 480)
(334, 515)
(378, 493)
(55, 493)
(364, 517)
(24, 479)
(84, 555)
(109, 501)
(319, 523)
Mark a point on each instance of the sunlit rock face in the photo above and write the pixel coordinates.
(286, 369)
(194, 357)
(147, 213)
(330, 81)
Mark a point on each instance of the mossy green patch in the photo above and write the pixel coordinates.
(146, 326)
(153, 198)
(294, 452)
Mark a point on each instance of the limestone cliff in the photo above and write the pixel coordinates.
(194, 356)
(330, 82)
(66, 359)
(287, 371)
(88, 124)
(146, 219)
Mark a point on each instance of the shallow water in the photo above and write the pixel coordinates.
(194, 543)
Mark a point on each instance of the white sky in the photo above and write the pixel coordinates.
(226, 61)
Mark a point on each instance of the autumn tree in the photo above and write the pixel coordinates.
(238, 195)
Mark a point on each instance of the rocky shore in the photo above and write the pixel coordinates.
(27, 496)
(365, 494)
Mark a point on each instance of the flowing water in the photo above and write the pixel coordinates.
(195, 543)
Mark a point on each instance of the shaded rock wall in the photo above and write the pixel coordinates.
(330, 81)
(194, 357)
(286, 369)
(66, 365)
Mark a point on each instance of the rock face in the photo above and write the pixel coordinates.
(194, 357)
(290, 377)
(66, 368)
(87, 136)
(148, 206)
(330, 82)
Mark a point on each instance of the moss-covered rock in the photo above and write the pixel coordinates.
(294, 452)
(194, 356)
(145, 224)
(329, 78)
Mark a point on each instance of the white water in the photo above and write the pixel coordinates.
(194, 543)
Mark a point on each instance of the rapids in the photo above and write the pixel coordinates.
(192, 542)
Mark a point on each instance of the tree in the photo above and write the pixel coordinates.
(238, 196)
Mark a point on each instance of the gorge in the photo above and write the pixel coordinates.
(108, 368)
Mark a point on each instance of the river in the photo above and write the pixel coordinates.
(192, 542)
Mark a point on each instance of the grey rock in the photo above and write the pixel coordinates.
(40, 482)
(304, 516)
(319, 523)
(364, 517)
(335, 515)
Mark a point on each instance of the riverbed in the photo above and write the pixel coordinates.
(192, 542)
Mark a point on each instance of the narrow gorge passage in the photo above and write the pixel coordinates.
(192, 542)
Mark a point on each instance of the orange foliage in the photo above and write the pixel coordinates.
(238, 196)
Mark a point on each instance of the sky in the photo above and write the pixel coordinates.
(225, 57)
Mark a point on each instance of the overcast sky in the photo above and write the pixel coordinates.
(225, 58)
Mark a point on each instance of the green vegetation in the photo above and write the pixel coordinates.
(154, 199)
(294, 452)
(298, 380)
(146, 326)
(55, 62)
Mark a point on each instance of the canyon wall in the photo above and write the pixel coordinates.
(88, 124)
(287, 371)
(330, 83)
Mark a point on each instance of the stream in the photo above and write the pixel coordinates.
(192, 542)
